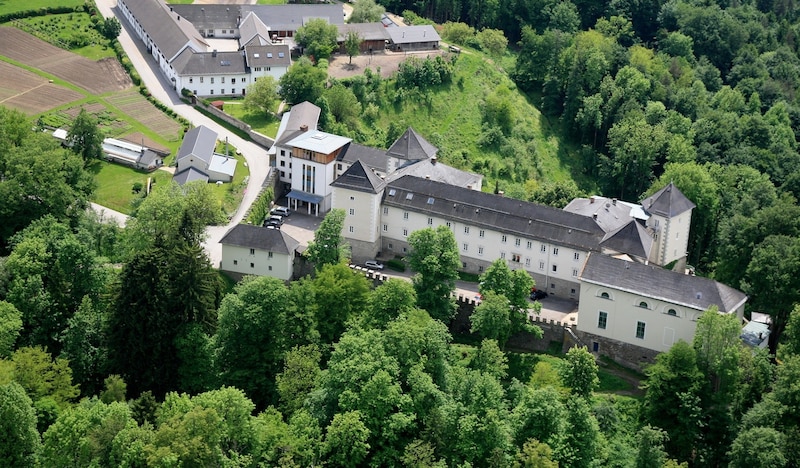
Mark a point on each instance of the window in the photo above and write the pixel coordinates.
(283, 174)
(392, 192)
(252, 265)
(430, 221)
(672, 312)
(466, 229)
(269, 267)
(201, 79)
(643, 305)
(252, 251)
(269, 254)
(385, 228)
(527, 262)
(352, 211)
(574, 272)
(385, 210)
(233, 80)
(481, 233)
(390, 246)
(465, 247)
(504, 238)
(555, 267)
(221, 80)
(409, 196)
(515, 258)
(212, 80)
(283, 152)
(405, 215)
(572, 291)
(352, 229)
(503, 255)
(212, 92)
(480, 250)
(352, 198)
(448, 224)
(236, 262)
(283, 163)
(541, 265)
(602, 320)
(543, 249)
(555, 250)
(191, 80)
(605, 295)
(530, 244)
(430, 200)
(480, 269)
(267, 68)
(576, 256)
(640, 330)
(405, 232)
(517, 241)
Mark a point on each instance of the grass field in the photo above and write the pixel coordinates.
(115, 184)
(259, 122)
(68, 31)
(13, 6)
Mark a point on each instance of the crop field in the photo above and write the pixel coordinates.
(135, 105)
(96, 77)
(29, 92)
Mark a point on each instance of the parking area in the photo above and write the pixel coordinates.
(301, 226)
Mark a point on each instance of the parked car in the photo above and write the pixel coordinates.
(538, 295)
(280, 211)
(373, 264)
(273, 220)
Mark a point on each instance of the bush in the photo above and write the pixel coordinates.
(186, 92)
(396, 264)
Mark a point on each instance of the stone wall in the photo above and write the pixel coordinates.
(626, 354)
(259, 138)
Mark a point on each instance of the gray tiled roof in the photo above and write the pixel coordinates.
(292, 16)
(198, 142)
(667, 202)
(608, 213)
(301, 114)
(631, 238)
(189, 174)
(413, 34)
(360, 178)
(209, 63)
(168, 32)
(257, 237)
(653, 281)
(367, 31)
(251, 27)
(411, 145)
(374, 158)
(433, 170)
(216, 16)
(268, 55)
(495, 212)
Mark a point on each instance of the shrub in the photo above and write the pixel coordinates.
(396, 264)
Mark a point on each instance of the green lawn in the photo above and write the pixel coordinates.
(231, 194)
(259, 122)
(13, 6)
(115, 184)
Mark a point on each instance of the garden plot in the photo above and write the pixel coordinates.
(29, 92)
(138, 107)
(96, 77)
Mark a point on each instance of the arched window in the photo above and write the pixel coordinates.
(643, 305)
(672, 312)
(605, 295)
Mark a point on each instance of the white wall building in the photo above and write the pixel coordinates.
(256, 250)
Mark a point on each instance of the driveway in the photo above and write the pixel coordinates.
(161, 89)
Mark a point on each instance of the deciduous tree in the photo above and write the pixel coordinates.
(352, 43)
(579, 372)
(366, 11)
(21, 443)
(302, 82)
(262, 95)
(328, 246)
(84, 137)
(317, 37)
(434, 257)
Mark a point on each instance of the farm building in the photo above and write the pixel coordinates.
(129, 154)
(412, 38)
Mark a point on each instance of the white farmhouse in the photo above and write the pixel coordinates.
(198, 161)
(256, 250)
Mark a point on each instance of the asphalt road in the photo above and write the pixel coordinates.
(161, 89)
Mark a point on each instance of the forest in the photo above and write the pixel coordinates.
(124, 347)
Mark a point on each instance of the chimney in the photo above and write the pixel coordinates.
(170, 9)
(433, 160)
(594, 216)
(591, 200)
(501, 193)
(179, 17)
(614, 201)
(427, 177)
(214, 53)
(304, 128)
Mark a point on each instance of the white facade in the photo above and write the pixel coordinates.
(215, 85)
(671, 236)
(362, 214)
(555, 267)
(253, 261)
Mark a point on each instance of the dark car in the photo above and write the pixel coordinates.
(538, 295)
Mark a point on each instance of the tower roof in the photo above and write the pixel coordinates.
(360, 178)
(667, 202)
(411, 146)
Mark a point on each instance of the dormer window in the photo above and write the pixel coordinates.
(672, 312)
(605, 295)
(643, 305)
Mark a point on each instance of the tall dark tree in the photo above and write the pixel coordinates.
(21, 443)
(159, 292)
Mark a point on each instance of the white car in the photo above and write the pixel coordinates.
(373, 264)
(280, 211)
